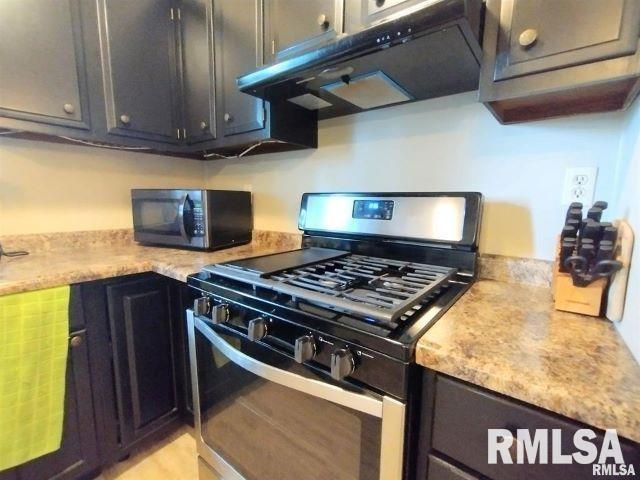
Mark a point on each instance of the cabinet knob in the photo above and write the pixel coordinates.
(69, 108)
(203, 125)
(75, 341)
(228, 118)
(126, 119)
(323, 21)
(379, 3)
(528, 37)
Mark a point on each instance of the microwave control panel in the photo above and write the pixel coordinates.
(198, 220)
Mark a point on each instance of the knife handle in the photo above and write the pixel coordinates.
(601, 204)
(610, 233)
(588, 251)
(591, 230)
(574, 214)
(595, 214)
(567, 231)
(566, 250)
(605, 252)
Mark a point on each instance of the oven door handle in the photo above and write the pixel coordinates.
(316, 388)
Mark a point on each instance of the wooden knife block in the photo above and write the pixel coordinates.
(569, 298)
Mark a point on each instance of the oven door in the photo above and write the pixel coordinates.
(167, 217)
(261, 416)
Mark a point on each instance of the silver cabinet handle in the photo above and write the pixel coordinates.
(126, 119)
(203, 125)
(528, 37)
(316, 388)
(69, 108)
(323, 21)
(228, 118)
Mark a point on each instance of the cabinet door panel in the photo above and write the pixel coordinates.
(137, 41)
(563, 33)
(78, 454)
(198, 77)
(239, 36)
(139, 314)
(297, 25)
(42, 66)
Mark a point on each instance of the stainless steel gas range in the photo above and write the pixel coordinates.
(302, 362)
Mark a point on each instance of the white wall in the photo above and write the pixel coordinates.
(627, 206)
(452, 143)
(49, 187)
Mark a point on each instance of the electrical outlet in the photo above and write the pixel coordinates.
(579, 185)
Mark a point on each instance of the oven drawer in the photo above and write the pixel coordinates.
(463, 415)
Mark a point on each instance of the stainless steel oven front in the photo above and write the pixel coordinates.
(262, 416)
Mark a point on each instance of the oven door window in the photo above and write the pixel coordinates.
(267, 430)
(162, 216)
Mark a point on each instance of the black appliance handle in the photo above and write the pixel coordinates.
(181, 210)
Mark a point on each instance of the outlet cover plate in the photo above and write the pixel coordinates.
(579, 185)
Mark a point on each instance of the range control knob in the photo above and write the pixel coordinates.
(219, 313)
(258, 328)
(201, 306)
(305, 348)
(342, 364)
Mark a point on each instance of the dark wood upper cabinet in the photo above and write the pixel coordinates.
(198, 72)
(239, 49)
(545, 58)
(138, 50)
(143, 356)
(558, 39)
(42, 63)
(292, 26)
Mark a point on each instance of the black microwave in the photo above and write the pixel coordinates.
(201, 219)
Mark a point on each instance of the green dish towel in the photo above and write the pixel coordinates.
(34, 328)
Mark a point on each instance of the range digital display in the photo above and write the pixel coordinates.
(373, 209)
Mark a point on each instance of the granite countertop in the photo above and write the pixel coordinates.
(508, 338)
(78, 260)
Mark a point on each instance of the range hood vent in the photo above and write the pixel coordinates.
(431, 52)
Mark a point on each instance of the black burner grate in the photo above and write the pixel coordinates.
(379, 288)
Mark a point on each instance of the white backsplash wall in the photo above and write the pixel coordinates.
(445, 144)
(52, 187)
(627, 206)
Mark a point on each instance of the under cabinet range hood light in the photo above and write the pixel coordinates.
(429, 49)
(368, 91)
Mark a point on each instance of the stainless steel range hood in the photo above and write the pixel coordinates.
(429, 51)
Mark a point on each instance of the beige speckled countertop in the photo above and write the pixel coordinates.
(505, 337)
(82, 257)
(508, 338)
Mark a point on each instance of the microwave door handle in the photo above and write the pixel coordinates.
(316, 388)
(181, 209)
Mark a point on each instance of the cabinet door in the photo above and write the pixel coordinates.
(143, 357)
(296, 25)
(541, 35)
(360, 14)
(198, 79)
(239, 36)
(137, 42)
(42, 65)
(78, 453)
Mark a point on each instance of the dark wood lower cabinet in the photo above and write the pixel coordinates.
(135, 351)
(455, 421)
(78, 454)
